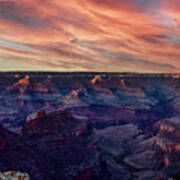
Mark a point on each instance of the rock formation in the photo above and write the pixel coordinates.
(169, 136)
(12, 175)
(52, 146)
(169, 141)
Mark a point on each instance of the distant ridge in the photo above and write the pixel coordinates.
(81, 73)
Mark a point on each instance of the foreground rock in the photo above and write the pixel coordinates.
(53, 146)
(12, 175)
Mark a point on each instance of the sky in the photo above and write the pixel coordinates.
(90, 35)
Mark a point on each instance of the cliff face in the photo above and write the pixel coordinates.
(169, 136)
(144, 100)
(64, 149)
(16, 156)
(27, 85)
(168, 140)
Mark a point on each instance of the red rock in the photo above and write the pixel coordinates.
(97, 78)
(28, 85)
(166, 161)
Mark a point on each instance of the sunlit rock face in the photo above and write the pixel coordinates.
(20, 86)
(96, 79)
(27, 85)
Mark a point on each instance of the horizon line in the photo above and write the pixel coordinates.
(122, 74)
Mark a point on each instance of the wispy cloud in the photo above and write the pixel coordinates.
(91, 35)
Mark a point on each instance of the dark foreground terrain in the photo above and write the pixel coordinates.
(89, 126)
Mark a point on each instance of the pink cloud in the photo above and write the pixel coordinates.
(93, 35)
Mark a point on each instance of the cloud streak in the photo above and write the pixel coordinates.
(90, 35)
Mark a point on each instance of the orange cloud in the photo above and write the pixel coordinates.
(90, 35)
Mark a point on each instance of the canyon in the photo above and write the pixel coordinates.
(88, 126)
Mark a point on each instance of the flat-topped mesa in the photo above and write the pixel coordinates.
(169, 136)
